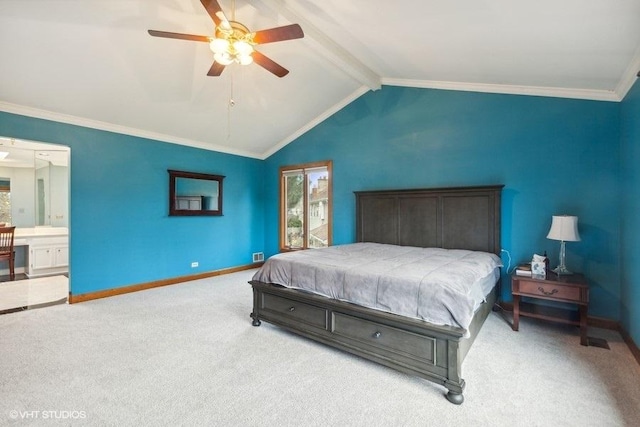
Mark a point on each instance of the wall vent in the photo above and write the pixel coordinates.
(258, 257)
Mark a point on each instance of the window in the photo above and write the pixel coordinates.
(305, 206)
(5, 201)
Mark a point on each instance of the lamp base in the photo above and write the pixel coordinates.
(561, 270)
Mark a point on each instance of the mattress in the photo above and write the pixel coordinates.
(440, 286)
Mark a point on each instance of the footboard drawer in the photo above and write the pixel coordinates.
(294, 310)
(392, 340)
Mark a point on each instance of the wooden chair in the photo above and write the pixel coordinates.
(6, 248)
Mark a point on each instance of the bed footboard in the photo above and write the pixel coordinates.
(411, 346)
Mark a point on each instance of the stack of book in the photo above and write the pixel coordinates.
(524, 270)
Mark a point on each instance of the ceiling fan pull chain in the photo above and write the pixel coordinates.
(230, 105)
(231, 101)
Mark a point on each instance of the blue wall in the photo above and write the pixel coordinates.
(630, 230)
(554, 156)
(120, 231)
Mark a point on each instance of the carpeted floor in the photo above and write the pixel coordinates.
(188, 355)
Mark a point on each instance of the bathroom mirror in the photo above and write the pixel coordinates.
(194, 194)
(37, 183)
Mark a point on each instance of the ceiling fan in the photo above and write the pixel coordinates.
(233, 42)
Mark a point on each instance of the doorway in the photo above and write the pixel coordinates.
(35, 178)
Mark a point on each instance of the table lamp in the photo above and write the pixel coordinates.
(565, 229)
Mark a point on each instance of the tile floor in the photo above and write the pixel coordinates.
(23, 293)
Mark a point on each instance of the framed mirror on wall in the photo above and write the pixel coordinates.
(194, 194)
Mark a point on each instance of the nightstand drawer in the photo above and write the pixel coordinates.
(555, 291)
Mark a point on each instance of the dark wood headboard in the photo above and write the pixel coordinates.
(450, 218)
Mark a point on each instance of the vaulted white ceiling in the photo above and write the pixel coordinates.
(93, 63)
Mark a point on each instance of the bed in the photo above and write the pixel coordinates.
(460, 220)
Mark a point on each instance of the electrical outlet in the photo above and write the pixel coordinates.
(258, 257)
(194, 264)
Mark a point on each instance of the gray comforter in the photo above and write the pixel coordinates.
(437, 285)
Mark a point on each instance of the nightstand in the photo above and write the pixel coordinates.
(568, 289)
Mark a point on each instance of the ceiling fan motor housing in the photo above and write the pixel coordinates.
(236, 32)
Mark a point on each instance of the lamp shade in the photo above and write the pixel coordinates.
(564, 228)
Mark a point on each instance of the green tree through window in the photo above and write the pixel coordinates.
(305, 208)
(5, 202)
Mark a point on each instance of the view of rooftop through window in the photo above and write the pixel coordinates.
(306, 207)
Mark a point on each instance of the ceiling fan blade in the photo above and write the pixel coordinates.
(215, 70)
(224, 22)
(269, 65)
(213, 8)
(180, 36)
(288, 32)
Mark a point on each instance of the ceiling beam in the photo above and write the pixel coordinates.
(331, 50)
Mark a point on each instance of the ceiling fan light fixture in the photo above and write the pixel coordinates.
(242, 48)
(219, 45)
(223, 58)
(229, 48)
(245, 59)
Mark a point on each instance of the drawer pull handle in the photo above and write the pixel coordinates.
(377, 334)
(541, 289)
(292, 309)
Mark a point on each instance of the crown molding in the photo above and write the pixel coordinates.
(630, 75)
(594, 95)
(110, 127)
